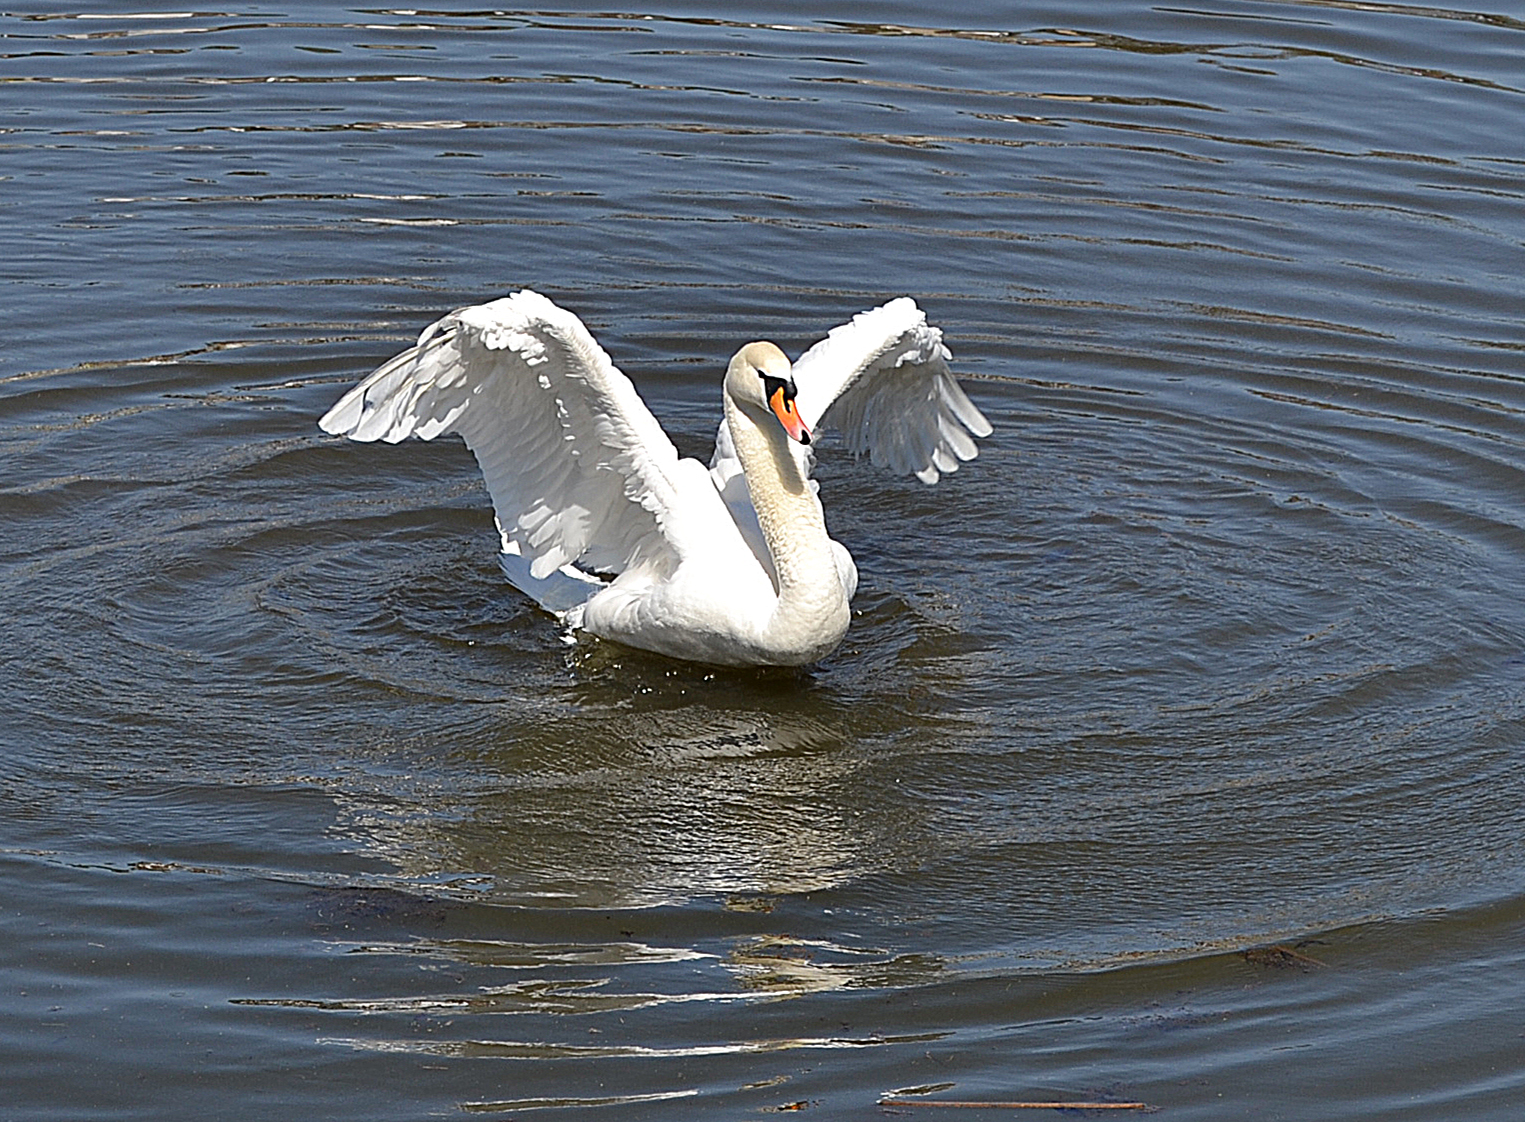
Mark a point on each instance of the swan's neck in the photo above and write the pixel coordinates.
(812, 607)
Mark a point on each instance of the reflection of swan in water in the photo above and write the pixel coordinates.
(602, 522)
(696, 799)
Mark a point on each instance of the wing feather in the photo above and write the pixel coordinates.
(883, 381)
(579, 470)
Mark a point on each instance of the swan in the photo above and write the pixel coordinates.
(606, 527)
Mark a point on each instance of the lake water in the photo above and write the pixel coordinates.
(1176, 754)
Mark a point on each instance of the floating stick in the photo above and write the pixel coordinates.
(1014, 1106)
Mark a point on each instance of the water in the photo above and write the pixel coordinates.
(1175, 753)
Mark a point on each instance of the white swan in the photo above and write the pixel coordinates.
(604, 525)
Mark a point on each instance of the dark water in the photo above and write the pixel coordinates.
(1177, 751)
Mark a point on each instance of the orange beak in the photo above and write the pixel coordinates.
(781, 401)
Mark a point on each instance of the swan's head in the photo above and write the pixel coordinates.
(760, 375)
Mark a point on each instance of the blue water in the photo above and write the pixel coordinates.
(1174, 755)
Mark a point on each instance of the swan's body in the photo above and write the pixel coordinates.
(604, 525)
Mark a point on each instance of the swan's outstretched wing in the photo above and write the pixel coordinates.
(883, 382)
(577, 467)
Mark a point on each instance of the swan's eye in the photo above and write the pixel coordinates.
(772, 385)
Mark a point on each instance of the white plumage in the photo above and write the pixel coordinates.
(604, 525)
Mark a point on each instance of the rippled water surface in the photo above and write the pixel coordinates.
(1177, 750)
